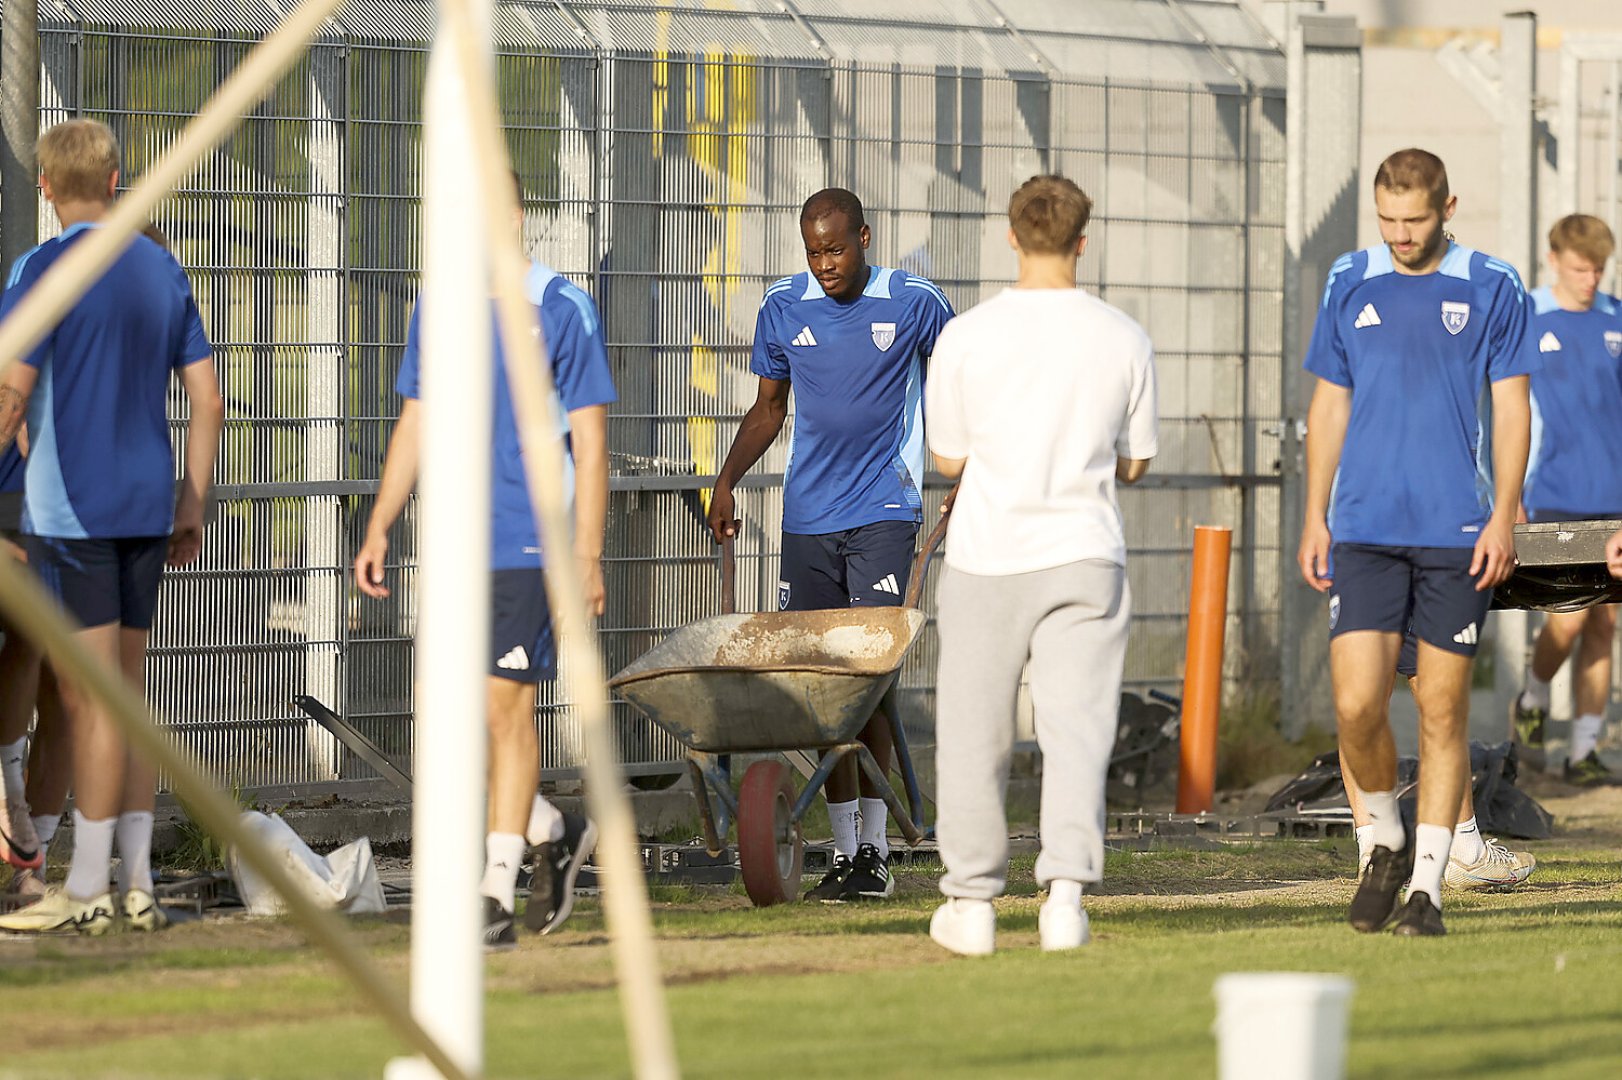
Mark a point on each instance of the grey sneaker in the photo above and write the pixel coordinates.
(1498, 868)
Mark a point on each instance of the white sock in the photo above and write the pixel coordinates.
(1431, 845)
(1365, 841)
(134, 832)
(1536, 693)
(545, 822)
(1385, 820)
(1468, 846)
(1585, 735)
(1063, 892)
(503, 853)
(92, 869)
(842, 816)
(45, 825)
(13, 759)
(875, 824)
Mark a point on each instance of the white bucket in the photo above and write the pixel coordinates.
(1281, 1025)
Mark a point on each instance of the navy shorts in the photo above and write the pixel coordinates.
(1391, 589)
(522, 647)
(101, 581)
(863, 567)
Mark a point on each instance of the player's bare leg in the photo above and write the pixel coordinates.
(100, 761)
(19, 677)
(1530, 712)
(514, 772)
(1593, 679)
(1444, 776)
(50, 776)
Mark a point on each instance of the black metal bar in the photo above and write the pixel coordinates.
(352, 738)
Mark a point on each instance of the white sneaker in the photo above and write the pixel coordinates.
(1063, 927)
(1498, 868)
(967, 927)
(58, 913)
(141, 911)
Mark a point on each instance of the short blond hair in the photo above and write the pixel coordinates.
(1584, 235)
(1049, 214)
(1414, 170)
(79, 158)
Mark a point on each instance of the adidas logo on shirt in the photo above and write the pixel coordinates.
(805, 338)
(1548, 343)
(1467, 636)
(1367, 317)
(515, 660)
(888, 584)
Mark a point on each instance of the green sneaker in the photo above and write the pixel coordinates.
(1527, 724)
(1590, 772)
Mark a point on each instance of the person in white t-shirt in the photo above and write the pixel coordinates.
(1042, 399)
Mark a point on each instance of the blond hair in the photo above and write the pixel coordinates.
(1584, 235)
(79, 158)
(1049, 215)
(1414, 170)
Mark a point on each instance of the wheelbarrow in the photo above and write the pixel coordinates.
(781, 681)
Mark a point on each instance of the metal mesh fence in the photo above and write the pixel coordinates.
(664, 150)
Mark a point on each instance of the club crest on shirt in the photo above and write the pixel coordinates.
(1455, 315)
(883, 335)
(1613, 343)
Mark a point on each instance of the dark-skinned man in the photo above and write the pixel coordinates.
(851, 339)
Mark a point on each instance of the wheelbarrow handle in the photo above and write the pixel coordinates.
(920, 564)
(729, 578)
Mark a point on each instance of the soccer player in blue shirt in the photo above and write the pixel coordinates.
(851, 339)
(522, 649)
(100, 515)
(1573, 472)
(1416, 447)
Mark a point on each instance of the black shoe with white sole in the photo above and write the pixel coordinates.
(557, 864)
(870, 877)
(498, 926)
(831, 889)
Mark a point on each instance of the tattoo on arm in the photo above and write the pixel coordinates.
(12, 406)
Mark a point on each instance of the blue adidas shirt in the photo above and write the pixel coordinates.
(1575, 468)
(100, 464)
(1419, 354)
(580, 371)
(857, 368)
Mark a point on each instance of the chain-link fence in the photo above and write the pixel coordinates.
(665, 149)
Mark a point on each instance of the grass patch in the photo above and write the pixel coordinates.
(1250, 745)
(762, 992)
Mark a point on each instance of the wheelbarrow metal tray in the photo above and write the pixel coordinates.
(773, 680)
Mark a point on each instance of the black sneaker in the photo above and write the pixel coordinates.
(870, 877)
(1419, 917)
(1528, 724)
(831, 889)
(1376, 900)
(498, 926)
(1590, 772)
(557, 864)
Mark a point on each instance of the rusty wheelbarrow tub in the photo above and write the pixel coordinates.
(779, 681)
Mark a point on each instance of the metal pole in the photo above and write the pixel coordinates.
(447, 822)
(19, 127)
(1570, 155)
(1608, 155)
(1517, 161)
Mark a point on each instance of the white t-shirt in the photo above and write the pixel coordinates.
(1041, 389)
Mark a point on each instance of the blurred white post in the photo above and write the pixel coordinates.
(447, 824)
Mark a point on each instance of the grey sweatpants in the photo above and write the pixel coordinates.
(1071, 621)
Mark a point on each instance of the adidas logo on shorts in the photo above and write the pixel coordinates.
(887, 584)
(1467, 636)
(1367, 317)
(515, 660)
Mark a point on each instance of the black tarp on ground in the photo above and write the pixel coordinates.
(1502, 809)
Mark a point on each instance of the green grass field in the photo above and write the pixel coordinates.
(1526, 984)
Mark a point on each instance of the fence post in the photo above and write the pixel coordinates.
(19, 125)
(1202, 669)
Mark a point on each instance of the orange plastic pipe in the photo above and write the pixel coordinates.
(1202, 669)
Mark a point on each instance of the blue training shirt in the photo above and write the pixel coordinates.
(1575, 468)
(1419, 353)
(857, 368)
(100, 464)
(574, 338)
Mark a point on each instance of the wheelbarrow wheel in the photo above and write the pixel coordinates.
(770, 848)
